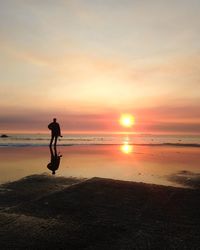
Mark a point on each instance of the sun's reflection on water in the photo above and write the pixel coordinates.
(126, 148)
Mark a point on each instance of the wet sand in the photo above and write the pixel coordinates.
(46, 212)
(163, 165)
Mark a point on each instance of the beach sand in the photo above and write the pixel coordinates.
(48, 212)
(169, 166)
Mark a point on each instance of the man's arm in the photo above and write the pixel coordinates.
(50, 126)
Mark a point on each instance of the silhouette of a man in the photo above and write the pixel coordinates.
(55, 160)
(55, 131)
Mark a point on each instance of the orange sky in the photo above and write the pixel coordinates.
(87, 62)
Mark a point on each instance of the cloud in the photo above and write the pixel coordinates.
(82, 58)
(147, 120)
(83, 77)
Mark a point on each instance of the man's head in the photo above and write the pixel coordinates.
(54, 119)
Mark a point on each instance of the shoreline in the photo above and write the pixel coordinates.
(42, 211)
(166, 144)
(169, 166)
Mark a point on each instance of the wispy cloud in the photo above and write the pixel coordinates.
(88, 57)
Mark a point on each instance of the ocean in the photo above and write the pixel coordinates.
(171, 160)
(23, 140)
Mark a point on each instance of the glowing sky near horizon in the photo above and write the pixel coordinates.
(88, 61)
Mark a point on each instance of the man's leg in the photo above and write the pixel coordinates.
(55, 142)
(52, 137)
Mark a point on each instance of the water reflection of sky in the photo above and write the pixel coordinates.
(150, 164)
(126, 148)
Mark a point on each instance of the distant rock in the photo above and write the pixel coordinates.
(4, 136)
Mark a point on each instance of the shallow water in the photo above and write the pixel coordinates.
(24, 140)
(165, 165)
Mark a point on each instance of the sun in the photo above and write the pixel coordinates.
(127, 120)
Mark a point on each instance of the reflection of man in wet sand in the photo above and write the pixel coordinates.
(55, 131)
(55, 160)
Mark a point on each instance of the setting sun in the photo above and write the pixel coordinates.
(127, 120)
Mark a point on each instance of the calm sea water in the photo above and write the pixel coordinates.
(18, 140)
(164, 159)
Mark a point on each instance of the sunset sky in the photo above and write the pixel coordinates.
(86, 62)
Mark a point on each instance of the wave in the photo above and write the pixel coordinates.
(196, 145)
(183, 144)
(47, 138)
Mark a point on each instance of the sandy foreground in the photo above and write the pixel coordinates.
(47, 212)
